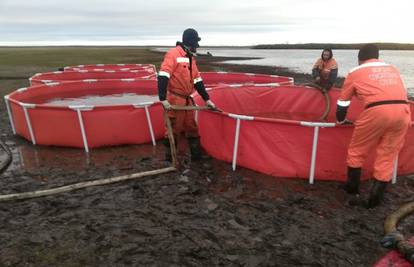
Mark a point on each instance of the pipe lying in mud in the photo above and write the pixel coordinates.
(72, 187)
(393, 238)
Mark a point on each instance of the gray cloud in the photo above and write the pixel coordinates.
(43, 20)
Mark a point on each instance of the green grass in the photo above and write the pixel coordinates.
(17, 64)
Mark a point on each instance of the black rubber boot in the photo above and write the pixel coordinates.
(195, 149)
(168, 156)
(352, 184)
(377, 194)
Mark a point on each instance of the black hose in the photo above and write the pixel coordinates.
(393, 238)
(327, 99)
(6, 164)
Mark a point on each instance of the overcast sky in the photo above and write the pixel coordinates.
(219, 22)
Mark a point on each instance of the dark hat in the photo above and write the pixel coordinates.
(191, 38)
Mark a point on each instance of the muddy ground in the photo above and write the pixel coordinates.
(203, 215)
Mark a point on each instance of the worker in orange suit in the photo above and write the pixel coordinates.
(381, 127)
(325, 70)
(177, 79)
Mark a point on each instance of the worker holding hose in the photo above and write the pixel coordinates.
(381, 127)
(325, 70)
(177, 79)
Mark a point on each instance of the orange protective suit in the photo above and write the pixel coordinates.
(325, 67)
(176, 66)
(382, 126)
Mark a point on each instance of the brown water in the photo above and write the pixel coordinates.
(103, 100)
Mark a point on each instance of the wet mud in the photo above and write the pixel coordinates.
(202, 215)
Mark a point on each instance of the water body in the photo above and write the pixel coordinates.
(302, 60)
(104, 100)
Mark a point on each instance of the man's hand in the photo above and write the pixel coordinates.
(166, 104)
(317, 79)
(210, 104)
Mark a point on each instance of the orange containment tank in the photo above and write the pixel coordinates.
(87, 125)
(116, 67)
(60, 76)
(275, 130)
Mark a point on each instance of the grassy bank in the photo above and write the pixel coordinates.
(18, 64)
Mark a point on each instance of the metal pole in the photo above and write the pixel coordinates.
(85, 141)
(6, 99)
(394, 173)
(236, 144)
(29, 125)
(150, 125)
(313, 160)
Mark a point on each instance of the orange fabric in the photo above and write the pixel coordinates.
(176, 64)
(381, 128)
(182, 122)
(374, 81)
(325, 67)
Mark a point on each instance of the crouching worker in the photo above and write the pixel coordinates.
(325, 70)
(177, 79)
(381, 127)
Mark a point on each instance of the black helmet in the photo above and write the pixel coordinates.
(191, 38)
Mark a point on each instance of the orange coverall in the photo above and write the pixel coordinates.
(325, 67)
(381, 127)
(176, 66)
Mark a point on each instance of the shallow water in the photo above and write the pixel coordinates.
(302, 60)
(102, 100)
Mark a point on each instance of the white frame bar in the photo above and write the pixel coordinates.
(85, 141)
(79, 110)
(145, 105)
(266, 85)
(6, 99)
(25, 106)
(147, 113)
(236, 144)
(237, 135)
(316, 126)
(52, 83)
(313, 158)
(89, 80)
(395, 171)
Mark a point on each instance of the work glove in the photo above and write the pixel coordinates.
(166, 104)
(210, 104)
(391, 240)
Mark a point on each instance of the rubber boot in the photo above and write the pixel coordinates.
(377, 194)
(167, 146)
(195, 149)
(353, 181)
